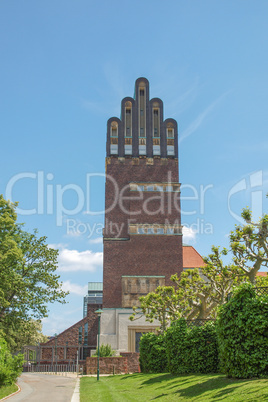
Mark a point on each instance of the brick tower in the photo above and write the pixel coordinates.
(142, 234)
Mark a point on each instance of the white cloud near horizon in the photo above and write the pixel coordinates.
(98, 240)
(59, 322)
(74, 260)
(189, 235)
(79, 290)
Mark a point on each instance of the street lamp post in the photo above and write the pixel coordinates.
(99, 311)
(56, 357)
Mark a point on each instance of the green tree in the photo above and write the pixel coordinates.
(20, 333)
(249, 244)
(27, 276)
(207, 287)
(161, 305)
(262, 281)
(10, 366)
(196, 295)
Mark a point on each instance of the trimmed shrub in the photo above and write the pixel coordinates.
(175, 341)
(10, 366)
(192, 350)
(243, 334)
(105, 351)
(153, 358)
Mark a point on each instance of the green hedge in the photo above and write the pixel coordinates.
(243, 334)
(10, 366)
(192, 350)
(153, 358)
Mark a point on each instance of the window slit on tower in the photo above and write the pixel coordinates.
(142, 121)
(156, 129)
(128, 128)
(114, 138)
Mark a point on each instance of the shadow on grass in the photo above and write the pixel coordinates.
(195, 386)
(130, 376)
(160, 378)
(223, 385)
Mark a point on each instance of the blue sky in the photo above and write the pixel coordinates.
(66, 65)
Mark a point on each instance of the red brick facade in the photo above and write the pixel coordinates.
(142, 190)
(132, 254)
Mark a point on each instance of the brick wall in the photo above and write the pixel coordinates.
(144, 255)
(119, 200)
(71, 335)
(125, 363)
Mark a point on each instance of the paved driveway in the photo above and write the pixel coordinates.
(44, 388)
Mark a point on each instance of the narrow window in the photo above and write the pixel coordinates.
(128, 149)
(80, 335)
(170, 133)
(170, 150)
(141, 230)
(156, 123)
(142, 110)
(114, 129)
(128, 120)
(150, 188)
(114, 149)
(85, 334)
(114, 138)
(170, 231)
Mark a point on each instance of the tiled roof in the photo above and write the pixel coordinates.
(261, 273)
(191, 258)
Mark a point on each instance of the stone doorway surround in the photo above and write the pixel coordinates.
(133, 330)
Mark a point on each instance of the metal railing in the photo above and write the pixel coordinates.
(260, 291)
(198, 322)
(50, 368)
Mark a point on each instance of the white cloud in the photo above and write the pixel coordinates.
(58, 322)
(57, 246)
(98, 240)
(74, 260)
(79, 290)
(189, 235)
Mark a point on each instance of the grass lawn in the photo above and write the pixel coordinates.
(166, 387)
(7, 390)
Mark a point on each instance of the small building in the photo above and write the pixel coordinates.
(94, 296)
